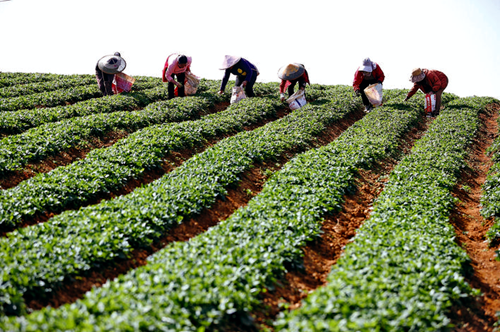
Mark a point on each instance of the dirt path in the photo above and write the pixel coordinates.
(471, 227)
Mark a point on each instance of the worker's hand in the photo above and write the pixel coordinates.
(221, 92)
(282, 96)
(244, 84)
(379, 82)
(302, 88)
(358, 93)
(406, 99)
(178, 84)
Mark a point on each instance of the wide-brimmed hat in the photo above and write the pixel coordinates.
(229, 61)
(291, 71)
(366, 65)
(417, 75)
(112, 64)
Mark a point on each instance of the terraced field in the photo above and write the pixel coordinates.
(137, 213)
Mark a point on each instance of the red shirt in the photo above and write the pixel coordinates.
(377, 74)
(433, 78)
(303, 80)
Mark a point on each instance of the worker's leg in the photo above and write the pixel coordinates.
(364, 84)
(108, 84)
(439, 93)
(249, 87)
(291, 87)
(181, 78)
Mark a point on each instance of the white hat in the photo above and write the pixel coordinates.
(367, 65)
(112, 64)
(229, 61)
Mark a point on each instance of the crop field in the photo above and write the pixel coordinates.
(133, 212)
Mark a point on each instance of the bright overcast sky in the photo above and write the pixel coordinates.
(458, 37)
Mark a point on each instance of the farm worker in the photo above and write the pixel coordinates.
(176, 65)
(290, 75)
(105, 71)
(246, 73)
(429, 81)
(368, 73)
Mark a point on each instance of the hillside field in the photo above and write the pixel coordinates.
(133, 212)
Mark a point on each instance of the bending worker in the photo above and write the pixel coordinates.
(246, 73)
(176, 65)
(368, 73)
(429, 81)
(105, 71)
(290, 75)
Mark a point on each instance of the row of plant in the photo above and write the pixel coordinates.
(40, 142)
(31, 88)
(53, 137)
(11, 79)
(37, 258)
(107, 169)
(490, 201)
(403, 271)
(142, 94)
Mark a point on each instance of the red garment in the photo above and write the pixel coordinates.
(434, 78)
(377, 74)
(303, 78)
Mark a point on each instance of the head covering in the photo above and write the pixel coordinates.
(229, 61)
(291, 71)
(112, 64)
(367, 65)
(417, 75)
(118, 54)
(182, 59)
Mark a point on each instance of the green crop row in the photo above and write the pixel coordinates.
(51, 98)
(36, 143)
(64, 96)
(31, 88)
(490, 201)
(106, 169)
(12, 79)
(403, 271)
(38, 257)
(142, 94)
(217, 277)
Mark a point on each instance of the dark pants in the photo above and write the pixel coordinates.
(171, 88)
(364, 84)
(249, 86)
(104, 81)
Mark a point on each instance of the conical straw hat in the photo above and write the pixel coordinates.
(291, 71)
(229, 61)
(112, 64)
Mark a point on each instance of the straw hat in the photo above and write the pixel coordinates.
(417, 75)
(112, 64)
(291, 71)
(367, 65)
(229, 61)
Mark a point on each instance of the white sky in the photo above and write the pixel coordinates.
(458, 37)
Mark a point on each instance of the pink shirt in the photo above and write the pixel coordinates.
(173, 67)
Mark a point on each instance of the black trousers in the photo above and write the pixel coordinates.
(171, 88)
(249, 87)
(104, 81)
(364, 84)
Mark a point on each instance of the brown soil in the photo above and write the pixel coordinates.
(477, 314)
(338, 230)
(252, 182)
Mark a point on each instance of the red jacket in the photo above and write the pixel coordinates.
(433, 78)
(303, 80)
(377, 74)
